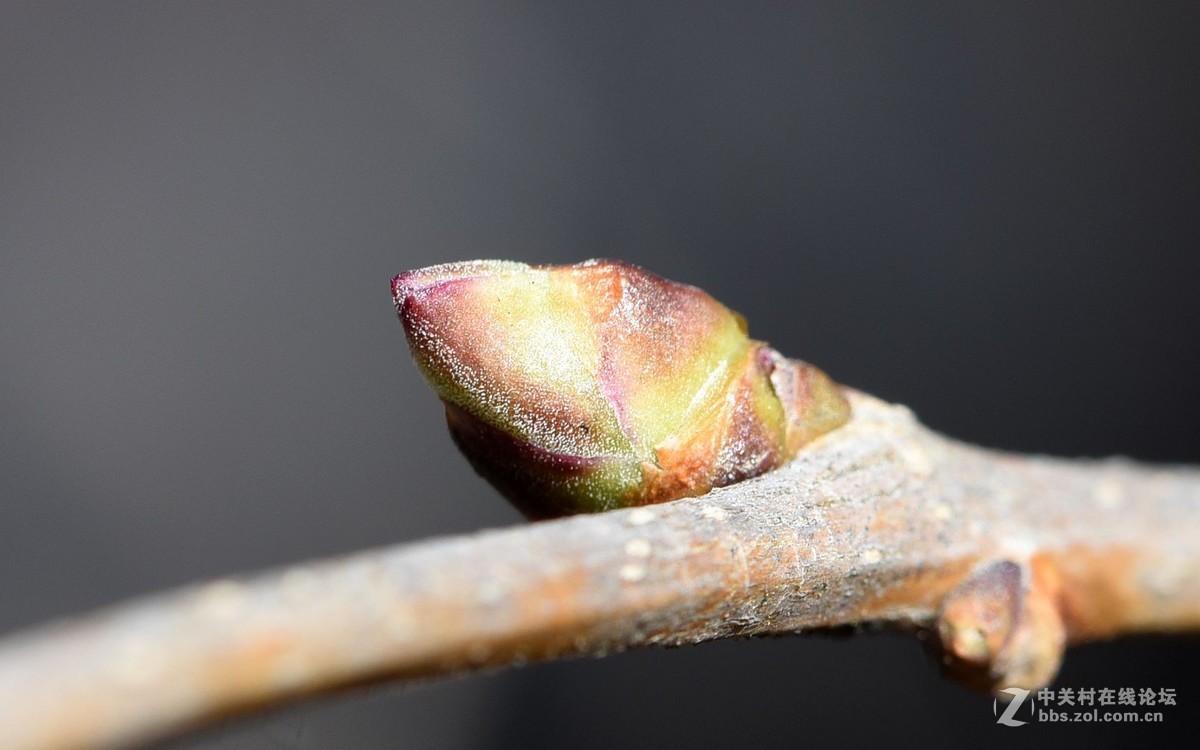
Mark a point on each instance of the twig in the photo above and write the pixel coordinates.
(1007, 557)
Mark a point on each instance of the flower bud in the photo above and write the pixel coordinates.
(600, 385)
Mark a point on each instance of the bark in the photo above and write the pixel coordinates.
(1006, 558)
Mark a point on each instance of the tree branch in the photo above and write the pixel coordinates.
(1007, 558)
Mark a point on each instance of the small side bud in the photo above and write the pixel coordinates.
(600, 385)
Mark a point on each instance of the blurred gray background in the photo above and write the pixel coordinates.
(990, 212)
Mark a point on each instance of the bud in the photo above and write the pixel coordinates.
(600, 385)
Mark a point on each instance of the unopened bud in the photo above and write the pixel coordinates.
(600, 385)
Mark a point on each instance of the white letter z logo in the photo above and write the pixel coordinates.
(1006, 718)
